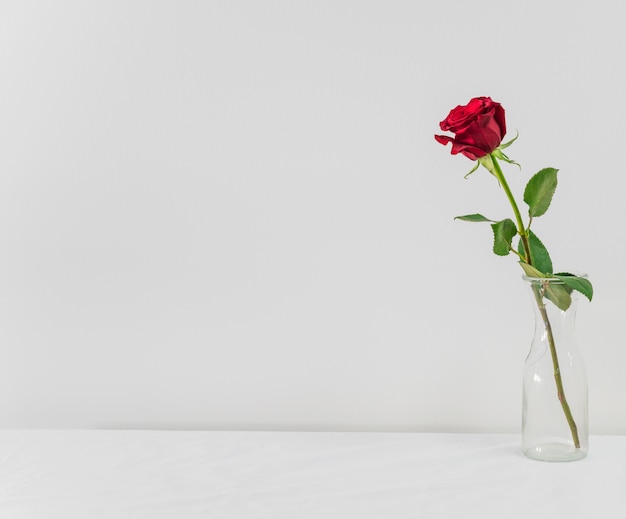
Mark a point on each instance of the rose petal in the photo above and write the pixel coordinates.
(443, 139)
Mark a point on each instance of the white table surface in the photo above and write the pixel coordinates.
(93, 474)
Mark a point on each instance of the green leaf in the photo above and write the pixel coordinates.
(487, 163)
(539, 191)
(499, 154)
(473, 169)
(473, 218)
(507, 144)
(531, 271)
(582, 285)
(503, 233)
(538, 253)
(557, 293)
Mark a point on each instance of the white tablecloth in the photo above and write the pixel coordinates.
(95, 474)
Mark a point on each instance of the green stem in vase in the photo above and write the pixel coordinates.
(557, 370)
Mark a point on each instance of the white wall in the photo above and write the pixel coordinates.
(234, 214)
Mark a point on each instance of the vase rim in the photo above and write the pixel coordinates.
(533, 279)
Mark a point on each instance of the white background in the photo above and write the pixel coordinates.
(233, 214)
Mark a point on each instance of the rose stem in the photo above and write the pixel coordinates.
(557, 370)
(497, 171)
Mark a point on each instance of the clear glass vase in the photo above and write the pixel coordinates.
(555, 424)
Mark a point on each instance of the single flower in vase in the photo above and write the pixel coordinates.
(554, 415)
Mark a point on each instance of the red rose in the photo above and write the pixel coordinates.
(479, 128)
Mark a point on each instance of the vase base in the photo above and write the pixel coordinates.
(557, 452)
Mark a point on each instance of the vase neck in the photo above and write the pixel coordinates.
(548, 315)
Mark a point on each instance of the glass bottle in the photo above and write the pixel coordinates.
(555, 424)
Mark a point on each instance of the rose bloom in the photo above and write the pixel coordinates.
(479, 128)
